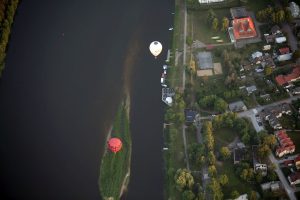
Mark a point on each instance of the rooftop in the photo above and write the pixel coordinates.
(284, 79)
(243, 28)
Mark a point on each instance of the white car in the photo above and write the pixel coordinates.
(165, 72)
(165, 67)
(164, 85)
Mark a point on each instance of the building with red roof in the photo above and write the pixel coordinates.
(284, 50)
(288, 163)
(285, 80)
(243, 28)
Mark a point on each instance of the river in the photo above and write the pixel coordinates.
(65, 71)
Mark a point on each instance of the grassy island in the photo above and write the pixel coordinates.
(115, 168)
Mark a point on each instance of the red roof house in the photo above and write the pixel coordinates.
(294, 178)
(243, 28)
(285, 79)
(284, 50)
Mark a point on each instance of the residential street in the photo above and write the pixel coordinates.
(289, 190)
(292, 40)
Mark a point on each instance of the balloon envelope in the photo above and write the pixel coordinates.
(114, 144)
(155, 48)
(169, 99)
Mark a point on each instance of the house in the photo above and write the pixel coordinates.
(237, 106)
(273, 186)
(294, 8)
(296, 91)
(280, 40)
(294, 178)
(266, 47)
(251, 89)
(190, 115)
(272, 114)
(281, 151)
(286, 80)
(269, 38)
(275, 30)
(288, 163)
(210, 1)
(243, 28)
(284, 57)
(284, 50)
(256, 54)
(242, 197)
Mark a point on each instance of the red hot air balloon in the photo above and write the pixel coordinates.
(114, 144)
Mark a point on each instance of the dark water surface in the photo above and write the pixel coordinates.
(62, 84)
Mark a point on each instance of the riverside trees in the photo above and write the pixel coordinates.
(7, 13)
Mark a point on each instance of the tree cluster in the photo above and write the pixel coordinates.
(7, 13)
(267, 142)
(213, 21)
(175, 114)
(276, 15)
(213, 102)
(240, 125)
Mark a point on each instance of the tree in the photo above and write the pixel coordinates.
(212, 171)
(210, 16)
(269, 140)
(215, 24)
(225, 152)
(215, 188)
(225, 23)
(259, 177)
(235, 194)
(223, 179)
(189, 40)
(268, 70)
(263, 150)
(220, 105)
(183, 179)
(188, 195)
(211, 158)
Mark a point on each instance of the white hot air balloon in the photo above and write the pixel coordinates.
(155, 48)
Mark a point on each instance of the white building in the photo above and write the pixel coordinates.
(279, 40)
(210, 1)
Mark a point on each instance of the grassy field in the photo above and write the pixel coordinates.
(224, 136)
(199, 30)
(115, 166)
(234, 183)
(174, 159)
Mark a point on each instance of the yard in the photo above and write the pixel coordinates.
(224, 136)
(199, 30)
(234, 183)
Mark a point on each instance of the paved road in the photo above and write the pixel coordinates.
(248, 113)
(184, 45)
(289, 190)
(292, 40)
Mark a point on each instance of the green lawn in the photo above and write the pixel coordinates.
(199, 30)
(174, 159)
(224, 136)
(234, 183)
(115, 166)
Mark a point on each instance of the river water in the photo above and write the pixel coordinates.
(67, 65)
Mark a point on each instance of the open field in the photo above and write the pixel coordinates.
(114, 166)
(224, 136)
(199, 30)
